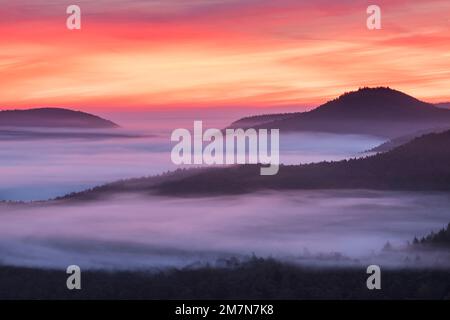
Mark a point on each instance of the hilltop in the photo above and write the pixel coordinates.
(377, 111)
(52, 118)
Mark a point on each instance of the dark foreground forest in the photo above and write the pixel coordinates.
(254, 279)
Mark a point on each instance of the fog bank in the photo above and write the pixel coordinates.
(135, 231)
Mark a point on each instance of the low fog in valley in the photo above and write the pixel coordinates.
(131, 231)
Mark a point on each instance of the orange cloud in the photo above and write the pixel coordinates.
(199, 53)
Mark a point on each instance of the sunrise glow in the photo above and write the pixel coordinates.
(148, 54)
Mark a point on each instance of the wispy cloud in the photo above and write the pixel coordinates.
(197, 52)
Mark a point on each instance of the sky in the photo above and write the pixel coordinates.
(135, 54)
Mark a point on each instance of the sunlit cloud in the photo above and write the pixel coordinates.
(214, 53)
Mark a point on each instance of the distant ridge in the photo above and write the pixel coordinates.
(396, 142)
(419, 165)
(52, 118)
(259, 120)
(377, 111)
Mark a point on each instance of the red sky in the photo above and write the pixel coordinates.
(184, 53)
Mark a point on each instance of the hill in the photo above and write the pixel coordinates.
(52, 118)
(419, 165)
(258, 120)
(378, 111)
(396, 142)
(422, 164)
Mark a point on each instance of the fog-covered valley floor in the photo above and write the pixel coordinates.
(137, 231)
(41, 169)
(133, 231)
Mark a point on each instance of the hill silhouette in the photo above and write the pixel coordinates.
(420, 165)
(375, 111)
(396, 142)
(52, 118)
(258, 120)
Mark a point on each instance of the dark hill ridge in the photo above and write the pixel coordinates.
(259, 120)
(375, 111)
(379, 103)
(396, 142)
(52, 118)
(420, 165)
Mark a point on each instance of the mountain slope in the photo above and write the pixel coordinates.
(52, 118)
(259, 120)
(396, 142)
(374, 111)
(422, 164)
